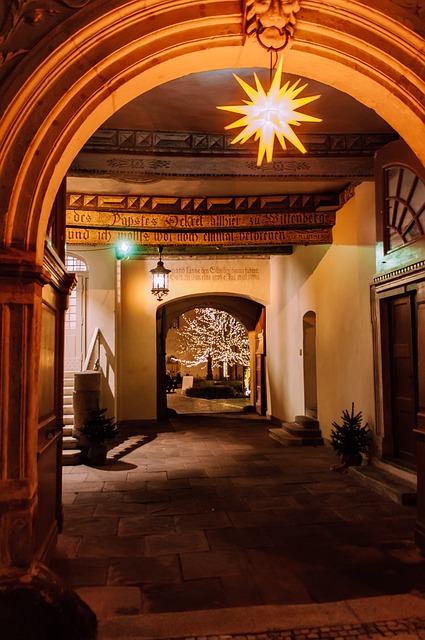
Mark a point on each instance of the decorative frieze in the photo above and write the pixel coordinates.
(299, 204)
(134, 168)
(103, 219)
(416, 268)
(176, 221)
(171, 142)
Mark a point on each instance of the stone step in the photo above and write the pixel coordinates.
(386, 484)
(68, 419)
(285, 438)
(71, 456)
(307, 422)
(296, 430)
(67, 430)
(304, 431)
(68, 409)
(69, 442)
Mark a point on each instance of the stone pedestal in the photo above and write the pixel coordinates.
(86, 397)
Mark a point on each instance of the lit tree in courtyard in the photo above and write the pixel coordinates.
(214, 338)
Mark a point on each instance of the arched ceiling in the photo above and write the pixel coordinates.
(187, 105)
(166, 154)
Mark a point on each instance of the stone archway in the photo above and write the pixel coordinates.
(76, 75)
(97, 61)
(247, 311)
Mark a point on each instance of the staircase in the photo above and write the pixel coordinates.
(304, 432)
(71, 454)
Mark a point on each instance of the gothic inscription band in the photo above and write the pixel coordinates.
(174, 221)
(206, 238)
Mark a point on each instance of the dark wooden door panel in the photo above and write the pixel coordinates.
(403, 387)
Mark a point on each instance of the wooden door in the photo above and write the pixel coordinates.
(309, 362)
(403, 376)
(48, 520)
(49, 511)
(260, 352)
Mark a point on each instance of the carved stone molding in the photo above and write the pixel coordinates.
(178, 142)
(418, 268)
(272, 22)
(16, 16)
(240, 205)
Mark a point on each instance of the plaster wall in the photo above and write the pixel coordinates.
(246, 276)
(333, 281)
(100, 312)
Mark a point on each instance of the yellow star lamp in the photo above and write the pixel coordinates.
(271, 115)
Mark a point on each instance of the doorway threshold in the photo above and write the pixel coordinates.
(383, 478)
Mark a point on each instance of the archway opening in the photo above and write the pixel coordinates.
(208, 362)
(243, 312)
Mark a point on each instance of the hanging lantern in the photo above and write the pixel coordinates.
(160, 279)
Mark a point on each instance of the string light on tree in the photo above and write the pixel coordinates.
(214, 336)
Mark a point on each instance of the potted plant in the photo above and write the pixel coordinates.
(97, 428)
(350, 439)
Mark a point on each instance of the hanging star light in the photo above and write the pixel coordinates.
(270, 115)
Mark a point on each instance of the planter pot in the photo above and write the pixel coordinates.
(352, 459)
(348, 460)
(96, 454)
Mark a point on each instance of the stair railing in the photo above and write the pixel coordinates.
(92, 360)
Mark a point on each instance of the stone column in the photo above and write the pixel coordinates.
(20, 322)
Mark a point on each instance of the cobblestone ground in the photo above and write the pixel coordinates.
(412, 628)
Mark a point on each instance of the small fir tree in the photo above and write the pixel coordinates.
(98, 428)
(350, 437)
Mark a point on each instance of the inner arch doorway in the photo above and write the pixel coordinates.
(249, 312)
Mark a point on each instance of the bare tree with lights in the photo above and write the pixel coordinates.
(213, 338)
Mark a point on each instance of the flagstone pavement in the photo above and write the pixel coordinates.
(207, 512)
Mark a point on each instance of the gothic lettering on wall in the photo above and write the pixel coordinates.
(117, 220)
(176, 221)
(307, 236)
(214, 274)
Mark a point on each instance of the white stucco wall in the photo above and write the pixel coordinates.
(333, 281)
(100, 312)
(137, 311)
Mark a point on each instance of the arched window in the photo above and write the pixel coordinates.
(404, 206)
(74, 264)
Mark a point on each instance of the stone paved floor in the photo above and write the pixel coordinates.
(183, 404)
(207, 512)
